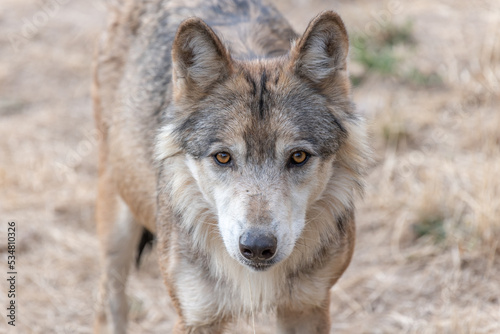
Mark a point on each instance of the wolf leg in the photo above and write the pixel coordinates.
(313, 320)
(119, 234)
(181, 328)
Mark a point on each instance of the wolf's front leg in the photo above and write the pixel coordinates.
(181, 328)
(309, 320)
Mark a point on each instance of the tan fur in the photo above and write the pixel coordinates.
(148, 178)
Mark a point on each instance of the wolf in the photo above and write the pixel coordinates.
(235, 142)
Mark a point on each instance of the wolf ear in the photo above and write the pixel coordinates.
(320, 55)
(199, 58)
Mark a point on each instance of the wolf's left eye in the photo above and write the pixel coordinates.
(299, 158)
(222, 158)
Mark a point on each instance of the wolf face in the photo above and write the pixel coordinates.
(260, 138)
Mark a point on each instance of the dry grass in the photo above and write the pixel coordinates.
(428, 230)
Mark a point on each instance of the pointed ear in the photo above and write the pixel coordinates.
(199, 58)
(320, 55)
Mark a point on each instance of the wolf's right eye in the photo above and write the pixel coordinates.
(222, 158)
(299, 158)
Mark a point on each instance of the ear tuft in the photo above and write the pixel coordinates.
(199, 58)
(321, 53)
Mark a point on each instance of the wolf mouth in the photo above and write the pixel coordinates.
(258, 266)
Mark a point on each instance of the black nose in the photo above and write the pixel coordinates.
(257, 245)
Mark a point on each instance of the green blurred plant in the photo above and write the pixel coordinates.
(432, 227)
(376, 53)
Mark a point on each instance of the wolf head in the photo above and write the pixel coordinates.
(264, 140)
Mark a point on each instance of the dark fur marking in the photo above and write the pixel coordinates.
(248, 77)
(326, 251)
(263, 90)
(147, 240)
(340, 126)
(309, 268)
(341, 224)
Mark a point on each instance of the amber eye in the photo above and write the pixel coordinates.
(299, 158)
(223, 158)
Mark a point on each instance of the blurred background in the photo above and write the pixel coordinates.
(426, 76)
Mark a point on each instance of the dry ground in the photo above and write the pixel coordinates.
(428, 229)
